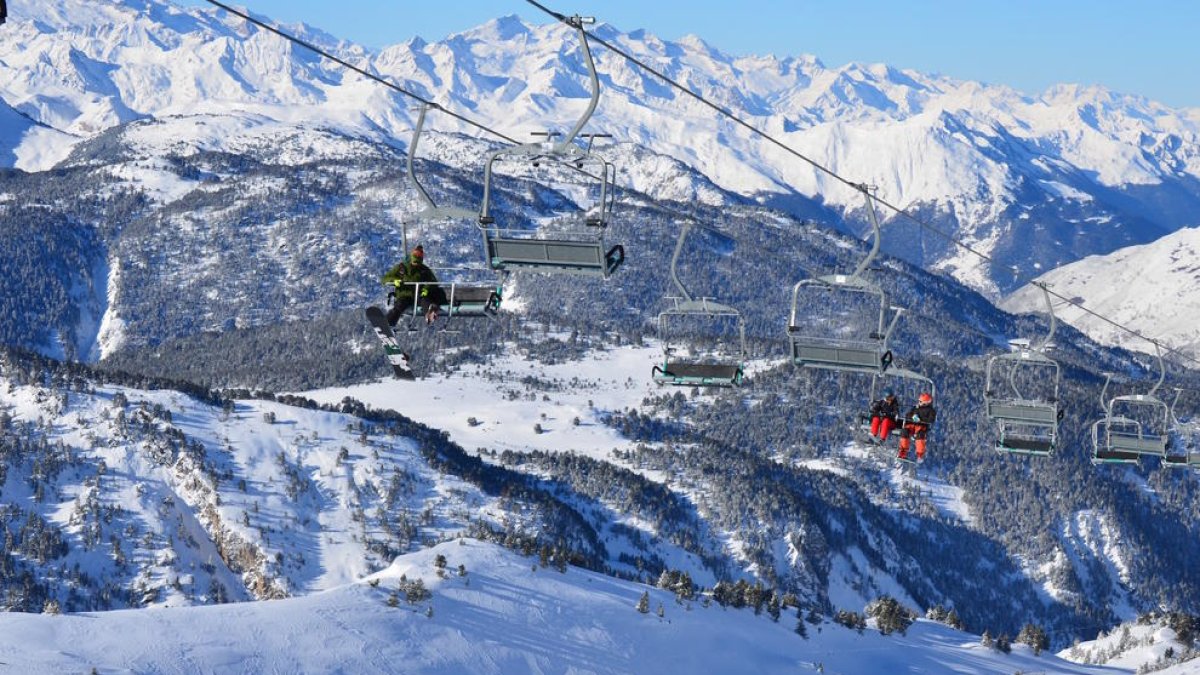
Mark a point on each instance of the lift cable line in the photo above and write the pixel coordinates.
(371, 76)
(834, 175)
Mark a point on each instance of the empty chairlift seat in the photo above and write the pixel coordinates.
(704, 342)
(825, 343)
(839, 322)
(577, 244)
(579, 256)
(1021, 394)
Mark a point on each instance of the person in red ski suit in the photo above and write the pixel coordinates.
(884, 414)
(916, 426)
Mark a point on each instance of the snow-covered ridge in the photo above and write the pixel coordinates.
(1154, 289)
(489, 610)
(979, 155)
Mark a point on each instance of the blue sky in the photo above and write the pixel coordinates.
(1149, 48)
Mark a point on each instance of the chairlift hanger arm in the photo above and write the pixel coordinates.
(412, 152)
(1105, 404)
(1053, 319)
(431, 209)
(875, 231)
(1162, 369)
(683, 233)
(577, 22)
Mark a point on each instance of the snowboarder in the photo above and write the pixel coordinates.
(884, 414)
(916, 425)
(414, 283)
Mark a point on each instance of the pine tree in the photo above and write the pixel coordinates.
(643, 604)
(1004, 643)
(890, 616)
(800, 629)
(1035, 637)
(954, 621)
(986, 640)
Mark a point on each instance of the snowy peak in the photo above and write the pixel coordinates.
(1154, 288)
(987, 162)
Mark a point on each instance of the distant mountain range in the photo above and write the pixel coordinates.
(1033, 180)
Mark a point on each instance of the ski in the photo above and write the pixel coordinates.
(395, 355)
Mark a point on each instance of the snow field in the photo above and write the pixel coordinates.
(502, 617)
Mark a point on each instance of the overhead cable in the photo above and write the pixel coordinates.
(727, 114)
(367, 74)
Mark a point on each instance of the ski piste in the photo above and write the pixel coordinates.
(391, 348)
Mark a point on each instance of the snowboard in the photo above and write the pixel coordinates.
(391, 348)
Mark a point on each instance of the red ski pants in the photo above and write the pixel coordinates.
(881, 427)
(917, 431)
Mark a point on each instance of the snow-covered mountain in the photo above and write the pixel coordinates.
(1035, 180)
(220, 201)
(1153, 288)
(482, 609)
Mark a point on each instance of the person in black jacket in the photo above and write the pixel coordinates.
(916, 426)
(884, 414)
(414, 283)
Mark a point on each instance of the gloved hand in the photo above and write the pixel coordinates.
(916, 418)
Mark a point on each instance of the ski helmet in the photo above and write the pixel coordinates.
(925, 397)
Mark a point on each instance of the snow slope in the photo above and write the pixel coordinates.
(1154, 289)
(502, 616)
(608, 380)
(1143, 647)
(256, 500)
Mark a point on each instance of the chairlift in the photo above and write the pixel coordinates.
(1184, 454)
(1021, 393)
(464, 296)
(852, 348)
(914, 384)
(578, 247)
(719, 367)
(1133, 425)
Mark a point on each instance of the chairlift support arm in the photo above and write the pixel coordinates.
(431, 209)
(1105, 404)
(566, 148)
(875, 231)
(577, 22)
(1053, 319)
(1162, 370)
(683, 292)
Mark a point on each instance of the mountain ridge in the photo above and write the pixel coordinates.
(996, 165)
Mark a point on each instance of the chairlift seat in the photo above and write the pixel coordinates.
(699, 374)
(472, 300)
(554, 255)
(1025, 446)
(1113, 456)
(848, 356)
(1034, 413)
(1143, 444)
(1188, 461)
